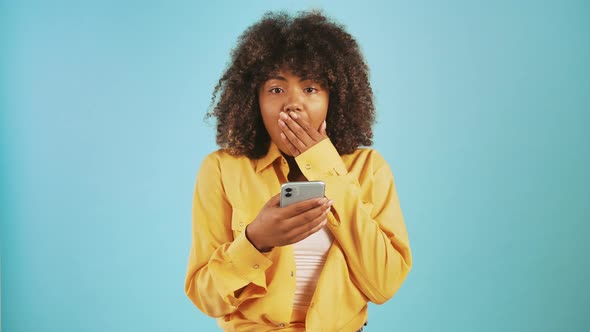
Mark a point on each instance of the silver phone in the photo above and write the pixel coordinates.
(293, 192)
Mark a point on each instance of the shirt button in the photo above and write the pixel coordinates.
(241, 224)
(283, 161)
(291, 273)
(256, 266)
(307, 167)
(282, 325)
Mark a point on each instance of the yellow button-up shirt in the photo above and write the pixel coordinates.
(247, 290)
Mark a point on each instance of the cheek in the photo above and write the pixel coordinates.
(266, 112)
(320, 113)
(270, 119)
(317, 118)
(316, 124)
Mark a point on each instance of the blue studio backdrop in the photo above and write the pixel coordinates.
(483, 113)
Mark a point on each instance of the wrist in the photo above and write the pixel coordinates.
(254, 241)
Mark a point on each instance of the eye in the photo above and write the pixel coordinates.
(276, 90)
(310, 90)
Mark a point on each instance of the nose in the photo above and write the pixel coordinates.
(294, 102)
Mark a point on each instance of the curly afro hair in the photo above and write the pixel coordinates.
(309, 45)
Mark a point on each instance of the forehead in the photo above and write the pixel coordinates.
(308, 72)
(285, 75)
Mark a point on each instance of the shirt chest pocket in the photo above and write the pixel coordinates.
(239, 221)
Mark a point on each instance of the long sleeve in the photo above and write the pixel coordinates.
(366, 220)
(222, 271)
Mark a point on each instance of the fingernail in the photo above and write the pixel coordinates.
(282, 123)
(284, 115)
(324, 125)
(322, 200)
(331, 202)
(293, 115)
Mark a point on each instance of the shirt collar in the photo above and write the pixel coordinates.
(273, 154)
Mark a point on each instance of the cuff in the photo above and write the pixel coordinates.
(321, 160)
(247, 261)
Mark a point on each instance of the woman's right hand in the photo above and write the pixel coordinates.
(275, 226)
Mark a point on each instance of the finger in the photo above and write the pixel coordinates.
(303, 206)
(295, 225)
(301, 130)
(308, 216)
(292, 137)
(309, 229)
(323, 129)
(314, 134)
(290, 147)
(304, 220)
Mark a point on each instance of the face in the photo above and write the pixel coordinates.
(286, 92)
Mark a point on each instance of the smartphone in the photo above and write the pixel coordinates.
(293, 192)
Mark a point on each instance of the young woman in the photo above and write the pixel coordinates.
(295, 104)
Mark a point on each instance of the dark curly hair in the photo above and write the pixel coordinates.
(311, 46)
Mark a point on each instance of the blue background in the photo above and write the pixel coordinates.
(483, 111)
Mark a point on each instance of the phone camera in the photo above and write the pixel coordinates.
(288, 190)
(288, 194)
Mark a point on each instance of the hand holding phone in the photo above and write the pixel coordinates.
(291, 216)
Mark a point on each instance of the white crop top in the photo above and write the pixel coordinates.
(310, 256)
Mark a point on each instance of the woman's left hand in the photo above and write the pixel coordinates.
(298, 135)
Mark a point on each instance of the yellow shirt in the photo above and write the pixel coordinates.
(368, 260)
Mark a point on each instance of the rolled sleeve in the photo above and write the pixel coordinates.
(321, 160)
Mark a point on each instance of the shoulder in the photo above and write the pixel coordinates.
(220, 160)
(223, 156)
(369, 153)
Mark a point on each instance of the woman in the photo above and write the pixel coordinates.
(295, 104)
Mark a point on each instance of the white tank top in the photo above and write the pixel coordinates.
(310, 256)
